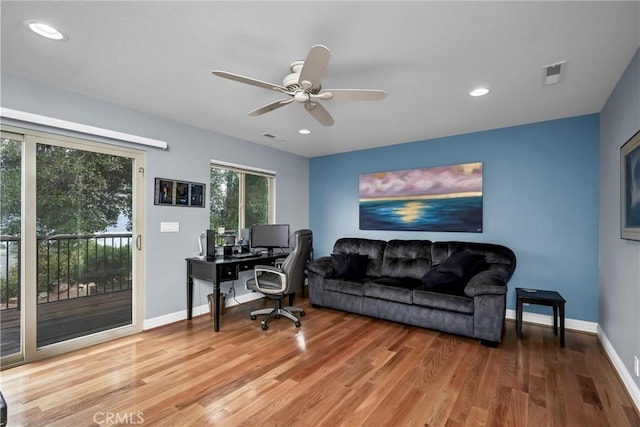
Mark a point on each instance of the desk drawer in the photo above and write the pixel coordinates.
(249, 265)
(244, 266)
(228, 272)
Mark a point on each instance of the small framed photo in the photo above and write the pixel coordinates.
(630, 188)
(182, 193)
(196, 195)
(164, 192)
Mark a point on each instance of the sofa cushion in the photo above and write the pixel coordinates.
(344, 286)
(349, 266)
(406, 258)
(441, 300)
(462, 264)
(391, 289)
(496, 256)
(374, 249)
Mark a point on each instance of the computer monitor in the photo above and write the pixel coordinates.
(270, 236)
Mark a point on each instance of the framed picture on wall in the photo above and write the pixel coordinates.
(442, 198)
(182, 193)
(164, 192)
(196, 195)
(171, 192)
(630, 188)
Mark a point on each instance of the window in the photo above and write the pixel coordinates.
(240, 197)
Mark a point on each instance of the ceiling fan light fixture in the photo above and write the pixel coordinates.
(45, 30)
(304, 131)
(303, 86)
(481, 91)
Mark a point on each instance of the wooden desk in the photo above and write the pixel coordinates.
(218, 270)
(539, 297)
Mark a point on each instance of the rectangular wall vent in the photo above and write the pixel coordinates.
(554, 73)
(274, 137)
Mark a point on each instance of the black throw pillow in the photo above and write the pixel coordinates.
(349, 266)
(435, 279)
(462, 264)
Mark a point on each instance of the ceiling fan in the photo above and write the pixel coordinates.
(303, 86)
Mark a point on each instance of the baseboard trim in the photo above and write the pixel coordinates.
(165, 319)
(156, 322)
(542, 319)
(241, 299)
(627, 379)
(593, 328)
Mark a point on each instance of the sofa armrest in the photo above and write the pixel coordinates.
(488, 282)
(321, 266)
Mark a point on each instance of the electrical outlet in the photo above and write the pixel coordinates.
(636, 366)
(169, 227)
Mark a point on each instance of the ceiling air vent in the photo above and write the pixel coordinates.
(554, 73)
(274, 137)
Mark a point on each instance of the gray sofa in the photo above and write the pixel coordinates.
(454, 287)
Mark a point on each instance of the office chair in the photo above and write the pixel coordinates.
(276, 283)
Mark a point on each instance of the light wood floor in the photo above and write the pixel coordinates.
(338, 369)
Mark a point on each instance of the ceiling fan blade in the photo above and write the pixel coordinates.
(270, 107)
(249, 80)
(319, 113)
(355, 94)
(313, 68)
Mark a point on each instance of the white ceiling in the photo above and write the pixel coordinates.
(157, 57)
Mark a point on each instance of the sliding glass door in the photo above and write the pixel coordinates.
(81, 253)
(11, 325)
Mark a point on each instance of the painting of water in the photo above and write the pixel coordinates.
(443, 198)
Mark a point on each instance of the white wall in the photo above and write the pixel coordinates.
(619, 260)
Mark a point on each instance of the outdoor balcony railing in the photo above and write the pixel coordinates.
(69, 266)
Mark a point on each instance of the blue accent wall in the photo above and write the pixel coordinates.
(540, 189)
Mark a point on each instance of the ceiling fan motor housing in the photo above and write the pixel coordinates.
(290, 81)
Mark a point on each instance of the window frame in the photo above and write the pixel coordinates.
(244, 170)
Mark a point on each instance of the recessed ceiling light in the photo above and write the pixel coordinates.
(304, 131)
(45, 30)
(479, 91)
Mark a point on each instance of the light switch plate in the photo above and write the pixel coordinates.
(169, 227)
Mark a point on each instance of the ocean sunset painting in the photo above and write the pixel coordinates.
(442, 198)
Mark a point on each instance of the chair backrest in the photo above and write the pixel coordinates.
(294, 265)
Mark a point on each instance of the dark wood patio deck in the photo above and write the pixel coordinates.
(66, 319)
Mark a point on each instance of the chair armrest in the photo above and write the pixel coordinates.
(321, 266)
(274, 280)
(267, 268)
(488, 282)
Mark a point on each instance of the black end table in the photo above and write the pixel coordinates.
(540, 297)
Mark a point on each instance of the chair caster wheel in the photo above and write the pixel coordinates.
(264, 327)
(302, 313)
(253, 317)
(297, 324)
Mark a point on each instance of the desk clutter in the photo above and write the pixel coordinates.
(216, 270)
